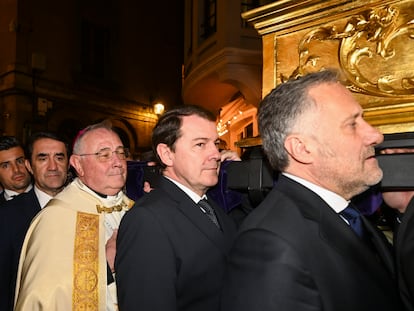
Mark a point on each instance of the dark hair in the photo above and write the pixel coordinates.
(148, 156)
(280, 109)
(42, 135)
(7, 142)
(168, 128)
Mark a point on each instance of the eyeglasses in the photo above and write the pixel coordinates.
(106, 154)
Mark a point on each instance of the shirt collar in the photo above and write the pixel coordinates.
(335, 201)
(10, 194)
(42, 197)
(194, 196)
(109, 200)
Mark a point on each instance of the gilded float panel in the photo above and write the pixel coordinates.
(371, 42)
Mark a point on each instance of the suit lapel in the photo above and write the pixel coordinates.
(2, 198)
(382, 247)
(338, 234)
(334, 231)
(190, 210)
(402, 228)
(30, 205)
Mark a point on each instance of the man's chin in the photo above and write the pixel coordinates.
(375, 177)
(212, 182)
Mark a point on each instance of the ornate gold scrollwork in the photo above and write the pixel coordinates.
(373, 52)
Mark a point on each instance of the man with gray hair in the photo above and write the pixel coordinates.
(68, 254)
(305, 247)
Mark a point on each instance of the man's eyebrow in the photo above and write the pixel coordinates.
(352, 117)
(200, 138)
(46, 154)
(6, 162)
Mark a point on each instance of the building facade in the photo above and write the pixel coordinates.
(66, 64)
(223, 64)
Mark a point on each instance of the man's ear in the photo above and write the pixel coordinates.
(165, 154)
(28, 166)
(74, 160)
(298, 149)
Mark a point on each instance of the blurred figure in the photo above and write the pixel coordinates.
(48, 162)
(402, 201)
(67, 260)
(300, 249)
(222, 145)
(14, 177)
(172, 247)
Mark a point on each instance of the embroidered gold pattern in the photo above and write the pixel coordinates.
(86, 263)
(117, 208)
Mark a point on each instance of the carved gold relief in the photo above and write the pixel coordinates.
(377, 42)
(370, 41)
(373, 53)
(373, 50)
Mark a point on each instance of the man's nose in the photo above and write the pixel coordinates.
(16, 167)
(215, 153)
(116, 159)
(374, 136)
(52, 165)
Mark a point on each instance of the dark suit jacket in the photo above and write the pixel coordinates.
(170, 256)
(2, 199)
(293, 252)
(15, 218)
(404, 254)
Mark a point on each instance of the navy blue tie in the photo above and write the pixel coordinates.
(353, 216)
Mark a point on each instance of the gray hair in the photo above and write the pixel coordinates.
(77, 144)
(280, 110)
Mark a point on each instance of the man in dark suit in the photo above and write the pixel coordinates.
(404, 243)
(297, 250)
(14, 177)
(170, 254)
(48, 162)
(402, 202)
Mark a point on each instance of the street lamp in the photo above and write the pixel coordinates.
(158, 108)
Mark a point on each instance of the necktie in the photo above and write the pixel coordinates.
(209, 211)
(353, 216)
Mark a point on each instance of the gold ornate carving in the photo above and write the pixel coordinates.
(370, 41)
(374, 40)
(85, 295)
(372, 50)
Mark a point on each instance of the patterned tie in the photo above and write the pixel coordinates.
(209, 211)
(353, 216)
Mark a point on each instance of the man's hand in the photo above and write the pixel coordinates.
(229, 155)
(147, 187)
